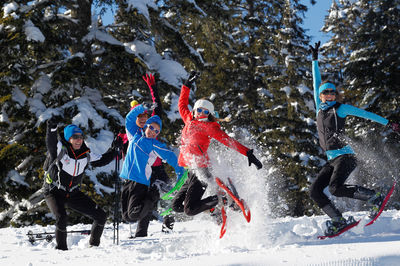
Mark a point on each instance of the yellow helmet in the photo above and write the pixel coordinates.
(134, 103)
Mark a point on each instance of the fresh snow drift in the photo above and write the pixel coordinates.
(284, 241)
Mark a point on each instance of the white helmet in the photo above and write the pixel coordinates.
(202, 103)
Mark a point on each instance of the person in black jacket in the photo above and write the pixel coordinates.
(69, 157)
(331, 115)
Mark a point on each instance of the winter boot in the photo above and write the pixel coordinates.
(336, 224)
(376, 202)
(61, 238)
(95, 234)
(363, 194)
(210, 202)
(142, 226)
(168, 224)
(216, 215)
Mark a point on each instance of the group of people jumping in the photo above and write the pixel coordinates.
(143, 170)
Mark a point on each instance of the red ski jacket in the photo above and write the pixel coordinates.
(196, 136)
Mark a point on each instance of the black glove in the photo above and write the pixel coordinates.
(192, 78)
(118, 143)
(314, 50)
(253, 160)
(52, 123)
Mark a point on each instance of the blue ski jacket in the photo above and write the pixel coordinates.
(142, 152)
(330, 122)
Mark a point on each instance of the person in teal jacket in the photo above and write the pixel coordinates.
(331, 115)
(143, 150)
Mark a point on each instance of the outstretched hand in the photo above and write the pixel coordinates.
(52, 122)
(192, 78)
(149, 79)
(314, 50)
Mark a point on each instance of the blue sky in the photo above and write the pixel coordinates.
(313, 21)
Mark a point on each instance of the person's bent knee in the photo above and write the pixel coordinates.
(189, 211)
(333, 190)
(177, 207)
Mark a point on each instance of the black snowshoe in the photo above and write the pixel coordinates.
(168, 224)
(334, 226)
(376, 202)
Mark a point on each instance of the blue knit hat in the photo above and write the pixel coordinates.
(326, 86)
(154, 119)
(71, 130)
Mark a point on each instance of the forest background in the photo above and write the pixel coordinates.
(58, 59)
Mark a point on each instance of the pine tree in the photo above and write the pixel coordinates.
(51, 70)
(373, 76)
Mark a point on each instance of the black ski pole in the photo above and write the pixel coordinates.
(117, 196)
(49, 236)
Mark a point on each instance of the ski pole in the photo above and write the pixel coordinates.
(116, 202)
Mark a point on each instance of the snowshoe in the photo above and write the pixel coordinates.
(379, 202)
(376, 202)
(234, 200)
(216, 215)
(335, 226)
(168, 224)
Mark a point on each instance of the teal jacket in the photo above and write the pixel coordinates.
(342, 111)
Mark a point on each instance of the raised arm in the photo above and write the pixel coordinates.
(184, 97)
(316, 74)
(183, 104)
(130, 121)
(51, 138)
(151, 83)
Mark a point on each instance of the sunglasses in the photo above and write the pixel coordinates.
(75, 136)
(153, 129)
(329, 92)
(204, 111)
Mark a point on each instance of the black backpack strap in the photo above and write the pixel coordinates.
(48, 179)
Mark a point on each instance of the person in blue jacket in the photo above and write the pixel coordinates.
(331, 116)
(143, 150)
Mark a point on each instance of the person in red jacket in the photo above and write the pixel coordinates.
(200, 127)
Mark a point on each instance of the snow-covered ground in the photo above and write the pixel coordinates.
(263, 241)
(284, 241)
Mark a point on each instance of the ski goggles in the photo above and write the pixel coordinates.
(204, 111)
(76, 136)
(153, 129)
(329, 92)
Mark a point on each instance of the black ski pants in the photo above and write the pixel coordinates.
(57, 200)
(189, 197)
(334, 174)
(138, 202)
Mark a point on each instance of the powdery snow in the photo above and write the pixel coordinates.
(265, 241)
